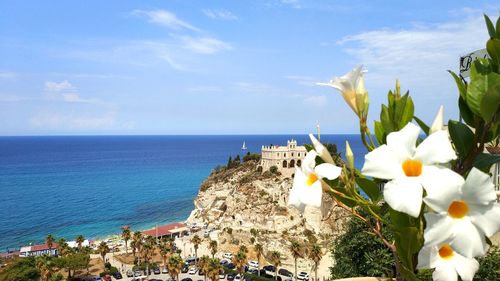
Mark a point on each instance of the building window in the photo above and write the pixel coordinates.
(284, 155)
(284, 164)
(292, 154)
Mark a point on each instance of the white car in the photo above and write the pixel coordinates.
(254, 264)
(303, 276)
(193, 270)
(238, 278)
(164, 271)
(228, 256)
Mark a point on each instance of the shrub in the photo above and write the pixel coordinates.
(21, 269)
(273, 169)
(489, 265)
(259, 169)
(251, 156)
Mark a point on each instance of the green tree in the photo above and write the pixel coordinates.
(297, 251)
(137, 244)
(259, 251)
(213, 248)
(103, 249)
(239, 260)
(79, 241)
(203, 265)
(62, 247)
(148, 251)
(315, 254)
(489, 265)
(174, 266)
(213, 269)
(49, 240)
(126, 235)
(21, 269)
(164, 253)
(273, 169)
(46, 266)
(275, 258)
(243, 249)
(196, 240)
(229, 162)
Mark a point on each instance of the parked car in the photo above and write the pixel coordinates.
(118, 275)
(107, 277)
(303, 276)
(170, 279)
(230, 277)
(206, 233)
(192, 270)
(228, 256)
(254, 264)
(222, 275)
(185, 269)
(270, 268)
(187, 279)
(130, 273)
(137, 273)
(238, 277)
(253, 271)
(165, 270)
(156, 270)
(201, 272)
(285, 272)
(191, 260)
(289, 279)
(224, 262)
(248, 278)
(230, 265)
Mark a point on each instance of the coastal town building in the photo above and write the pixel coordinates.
(38, 250)
(169, 230)
(285, 158)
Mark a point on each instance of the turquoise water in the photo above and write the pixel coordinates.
(92, 185)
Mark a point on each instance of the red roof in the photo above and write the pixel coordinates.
(163, 230)
(41, 247)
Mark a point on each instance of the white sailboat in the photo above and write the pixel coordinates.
(244, 146)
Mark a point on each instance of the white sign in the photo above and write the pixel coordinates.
(466, 61)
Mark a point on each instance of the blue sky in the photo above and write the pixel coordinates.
(222, 67)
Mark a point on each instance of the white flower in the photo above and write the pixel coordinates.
(408, 166)
(447, 263)
(437, 124)
(466, 211)
(352, 88)
(308, 180)
(321, 150)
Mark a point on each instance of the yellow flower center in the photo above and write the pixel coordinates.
(446, 252)
(412, 168)
(312, 178)
(458, 209)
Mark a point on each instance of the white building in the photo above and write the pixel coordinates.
(283, 157)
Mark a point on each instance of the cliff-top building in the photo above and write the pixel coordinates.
(283, 157)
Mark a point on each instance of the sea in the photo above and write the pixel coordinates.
(93, 185)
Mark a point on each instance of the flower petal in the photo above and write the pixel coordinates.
(466, 267)
(487, 218)
(442, 186)
(327, 170)
(438, 230)
(445, 272)
(437, 124)
(436, 148)
(403, 141)
(309, 162)
(404, 195)
(312, 195)
(478, 188)
(468, 240)
(382, 163)
(427, 257)
(321, 150)
(299, 180)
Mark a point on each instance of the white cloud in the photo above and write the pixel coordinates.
(205, 45)
(73, 121)
(7, 75)
(220, 14)
(166, 18)
(317, 101)
(51, 86)
(303, 80)
(292, 3)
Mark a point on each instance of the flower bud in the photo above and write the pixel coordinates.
(349, 156)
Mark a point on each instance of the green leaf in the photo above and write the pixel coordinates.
(480, 80)
(348, 202)
(489, 25)
(493, 48)
(498, 28)
(462, 137)
(404, 112)
(465, 112)
(422, 125)
(385, 118)
(484, 161)
(460, 84)
(370, 188)
(490, 102)
(309, 147)
(379, 132)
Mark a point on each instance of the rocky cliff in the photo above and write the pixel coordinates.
(236, 200)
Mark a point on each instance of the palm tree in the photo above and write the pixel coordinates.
(45, 265)
(239, 260)
(62, 247)
(213, 248)
(103, 249)
(315, 254)
(164, 253)
(50, 242)
(148, 251)
(297, 252)
(196, 240)
(203, 265)
(79, 240)
(259, 251)
(126, 235)
(174, 266)
(213, 269)
(137, 239)
(275, 258)
(243, 249)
